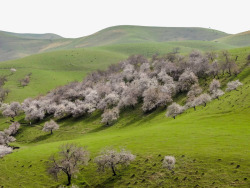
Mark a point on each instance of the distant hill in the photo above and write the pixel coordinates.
(240, 39)
(33, 36)
(140, 34)
(14, 45)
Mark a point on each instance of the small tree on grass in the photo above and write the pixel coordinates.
(168, 162)
(50, 126)
(111, 158)
(12, 70)
(174, 109)
(68, 161)
(233, 85)
(4, 150)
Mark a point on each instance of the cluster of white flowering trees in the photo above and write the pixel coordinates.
(136, 80)
(6, 137)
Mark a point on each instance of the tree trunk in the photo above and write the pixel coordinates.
(51, 131)
(205, 104)
(194, 108)
(113, 170)
(69, 179)
(174, 117)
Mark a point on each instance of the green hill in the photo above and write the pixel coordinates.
(65, 66)
(148, 49)
(139, 34)
(15, 45)
(211, 145)
(33, 36)
(240, 39)
(53, 69)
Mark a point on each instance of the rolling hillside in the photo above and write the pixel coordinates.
(139, 34)
(240, 39)
(13, 45)
(53, 69)
(211, 144)
(65, 66)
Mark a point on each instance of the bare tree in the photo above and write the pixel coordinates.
(68, 161)
(50, 126)
(111, 158)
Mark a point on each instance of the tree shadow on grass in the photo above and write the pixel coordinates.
(109, 182)
(40, 138)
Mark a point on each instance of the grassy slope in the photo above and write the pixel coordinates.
(148, 49)
(139, 34)
(208, 143)
(15, 45)
(59, 65)
(240, 39)
(52, 69)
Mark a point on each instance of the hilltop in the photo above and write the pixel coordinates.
(15, 45)
(240, 39)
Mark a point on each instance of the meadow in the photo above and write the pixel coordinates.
(211, 144)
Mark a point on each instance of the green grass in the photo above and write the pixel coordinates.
(161, 48)
(208, 144)
(53, 69)
(14, 45)
(240, 39)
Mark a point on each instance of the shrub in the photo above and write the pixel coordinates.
(168, 162)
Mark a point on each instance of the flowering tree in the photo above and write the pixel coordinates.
(111, 158)
(4, 150)
(168, 162)
(50, 126)
(69, 159)
(174, 109)
(110, 115)
(233, 85)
